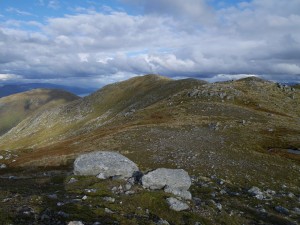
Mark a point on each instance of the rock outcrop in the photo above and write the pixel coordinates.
(104, 165)
(175, 181)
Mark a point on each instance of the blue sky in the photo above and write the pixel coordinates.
(93, 43)
(43, 9)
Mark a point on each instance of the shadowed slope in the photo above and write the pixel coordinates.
(17, 107)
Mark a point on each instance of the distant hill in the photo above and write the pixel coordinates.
(10, 89)
(16, 107)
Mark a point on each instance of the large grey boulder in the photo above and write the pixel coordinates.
(104, 165)
(175, 181)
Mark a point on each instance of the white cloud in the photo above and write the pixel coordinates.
(252, 38)
(19, 12)
(7, 77)
(53, 4)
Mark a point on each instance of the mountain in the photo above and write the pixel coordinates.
(15, 108)
(257, 113)
(10, 89)
(239, 140)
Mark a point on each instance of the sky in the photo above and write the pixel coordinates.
(92, 43)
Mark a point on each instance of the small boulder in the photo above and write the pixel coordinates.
(173, 178)
(175, 181)
(104, 165)
(177, 205)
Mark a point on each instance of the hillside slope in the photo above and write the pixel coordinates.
(15, 108)
(89, 113)
(233, 127)
(231, 137)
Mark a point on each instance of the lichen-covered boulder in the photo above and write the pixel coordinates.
(104, 165)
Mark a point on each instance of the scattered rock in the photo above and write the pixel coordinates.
(90, 190)
(256, 192)
(162, 222)
(175, 181)
(25, 211)
(270, 192)
(63, 214)
(72, 180)
(296, 210)
(129, 192)
(2, 166)
(128, 186)
(291, 195)
(282, 210)
(53, 196)
(75, 223)
(114, 189)
(219, 206)
(104, 165)
(107, 210)
(223, 192)
(6, 200)
(109, 199)
(177, 205)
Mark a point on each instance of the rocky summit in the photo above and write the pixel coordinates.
(180, 152)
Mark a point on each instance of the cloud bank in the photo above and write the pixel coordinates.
(175, 38)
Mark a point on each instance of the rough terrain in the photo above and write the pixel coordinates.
(239, 141)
